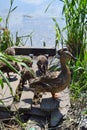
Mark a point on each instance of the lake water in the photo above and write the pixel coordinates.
(30, 17)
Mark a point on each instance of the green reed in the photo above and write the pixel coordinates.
(79, 76)
(75, 15)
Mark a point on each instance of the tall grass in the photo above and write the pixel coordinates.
(79, 77)
(4, 58)
(11, 9)
(5, 37)
(59, 40)
(75, 15)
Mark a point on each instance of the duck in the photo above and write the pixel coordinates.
(5, 69)
(27, 60)
(42, 65)
(27, 72)
(10, 51)
(26, 75)
(57, 81)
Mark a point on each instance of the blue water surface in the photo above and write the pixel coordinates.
(30, 16)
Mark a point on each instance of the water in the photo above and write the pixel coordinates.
(30, 17)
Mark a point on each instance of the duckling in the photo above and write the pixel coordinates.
(42, 64)
(10, 51)
(5, 69)
(27, 60)
(55, 82)
(26, 75)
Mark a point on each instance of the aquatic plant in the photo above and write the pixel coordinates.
(59, 39)
(79, 77)
(76, 24)
(11, 9)
(5, 37)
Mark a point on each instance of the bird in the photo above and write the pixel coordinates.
(6, 69)
(27, 60)
(10, 51)
(42, 65)
(57, 81)
(27, 73)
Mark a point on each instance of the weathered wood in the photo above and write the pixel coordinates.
(48, 103)
(56, 116)
(4, 114)
(37, 111)
(56, 108)
(34, 51)
(37, 123)
(5, 93)
(64, 101)
(26, 98)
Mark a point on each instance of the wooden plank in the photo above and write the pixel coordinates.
(48, 103)
(5, 94)
(64, 101)
(4, 115)
(57, 107)
(56, 117)
(26, 98)
(35, 51)
(34, 110)
(37, 111)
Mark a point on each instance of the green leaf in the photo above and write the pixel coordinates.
(14, 8)
(48, 6)
(1, 102)
(1, 83)
(28, 68)
(8, 64)
(11, 2)
(0, 19)
(7, 82)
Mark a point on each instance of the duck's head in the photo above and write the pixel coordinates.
(65, 55)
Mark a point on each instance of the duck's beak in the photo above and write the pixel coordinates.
(74, 58)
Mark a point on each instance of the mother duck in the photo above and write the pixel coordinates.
(55, 82)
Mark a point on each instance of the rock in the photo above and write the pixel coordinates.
(83, 122)
(56, 117)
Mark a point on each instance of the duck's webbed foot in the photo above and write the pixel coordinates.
(56, 95)
(37, 98)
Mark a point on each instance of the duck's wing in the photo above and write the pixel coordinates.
(46, 81)
(49, 76)
(52, 75)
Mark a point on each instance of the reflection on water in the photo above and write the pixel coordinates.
(39, 23)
